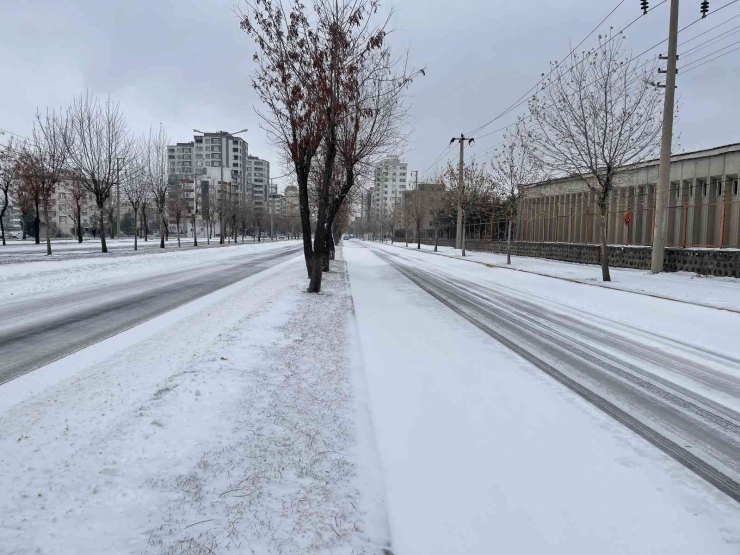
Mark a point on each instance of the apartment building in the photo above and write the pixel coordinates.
(257, 179)
(389, 186)
(292, 206)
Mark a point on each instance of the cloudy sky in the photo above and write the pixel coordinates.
(186, 64)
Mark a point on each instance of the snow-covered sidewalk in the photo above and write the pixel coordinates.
(227, 425)
(482, 453)
(715, 292)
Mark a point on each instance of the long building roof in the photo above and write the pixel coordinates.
(714, 151)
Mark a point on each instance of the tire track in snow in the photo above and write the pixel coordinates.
(660, 416)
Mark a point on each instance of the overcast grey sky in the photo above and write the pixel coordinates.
(186, 64)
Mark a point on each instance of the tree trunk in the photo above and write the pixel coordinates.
(37, 225)
(23, 226)
(604, 251)
(2, 229)
(48, 229)
(464, 235)
(508, 241)
(418, 235)
(104, 247)
(161, 230)
(79, 223)
(178, 233)
(195, 233)
(435, 239)
(221, 234)
(136, 234)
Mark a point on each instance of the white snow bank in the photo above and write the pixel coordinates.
(482, 453)
(716, 292)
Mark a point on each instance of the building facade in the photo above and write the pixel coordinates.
(389, 186)
(703, 207)
(258, 180)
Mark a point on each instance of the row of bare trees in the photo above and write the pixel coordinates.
(333, 94)
(77, 157)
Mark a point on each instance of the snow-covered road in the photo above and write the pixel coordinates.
(38, 328)
(460, 360)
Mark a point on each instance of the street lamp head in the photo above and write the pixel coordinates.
(242, 131)
(198, 131)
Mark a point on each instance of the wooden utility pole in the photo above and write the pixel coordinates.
(460, 187)
(664, 172)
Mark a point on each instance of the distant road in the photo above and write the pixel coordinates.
(27, 251)
(36, 332)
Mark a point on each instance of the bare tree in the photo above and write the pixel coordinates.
(476, 188)
(75, 201)
(49, 155)
(145, 202)
(514, 167)
(193, 208)
(158, 176)
(595, 114)
(23, 194)
(135, 188)
(98, 137)
(416, 203)
(307, 68)
(7, 175)
(177, 204)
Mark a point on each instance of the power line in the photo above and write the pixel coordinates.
(523, 98)
(687, 66)
(720, 56)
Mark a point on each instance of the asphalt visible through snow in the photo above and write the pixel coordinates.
(36, 332)
(623, 375)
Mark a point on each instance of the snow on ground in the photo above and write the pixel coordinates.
(698, 333)
(482, 453)
(49, 277)
(716, 292)
(226, 425)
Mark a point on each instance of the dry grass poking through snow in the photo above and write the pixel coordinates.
(286, 479)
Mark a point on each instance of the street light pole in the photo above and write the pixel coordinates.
(118, 194)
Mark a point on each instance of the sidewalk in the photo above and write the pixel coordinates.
(712, 292)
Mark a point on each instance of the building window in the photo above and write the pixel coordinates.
(734, 187)
(703, 189)
(62, 219)
(719, 188)
(208, 149)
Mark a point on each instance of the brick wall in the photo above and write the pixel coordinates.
(710, 262)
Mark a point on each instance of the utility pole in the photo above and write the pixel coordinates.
(460, 187)
(269, 209)
(664, 172)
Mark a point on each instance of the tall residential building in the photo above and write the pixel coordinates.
(391, 177)
(292, 208)
(222, 157)
(257, 181)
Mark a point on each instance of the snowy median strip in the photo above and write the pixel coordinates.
(226, 425)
